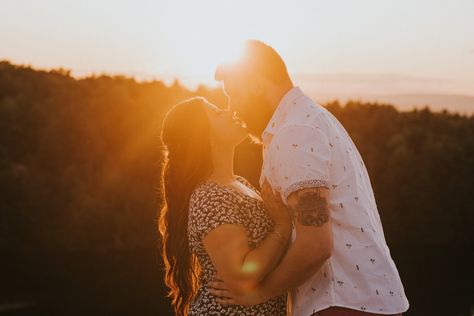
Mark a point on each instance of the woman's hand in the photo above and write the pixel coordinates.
(225, 296)
(277, 210)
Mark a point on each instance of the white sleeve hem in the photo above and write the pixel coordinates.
(305, 184)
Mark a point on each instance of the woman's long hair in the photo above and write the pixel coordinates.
(186, 137)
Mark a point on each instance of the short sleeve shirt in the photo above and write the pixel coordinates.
(305, 146)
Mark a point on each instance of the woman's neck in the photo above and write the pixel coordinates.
(223, 164)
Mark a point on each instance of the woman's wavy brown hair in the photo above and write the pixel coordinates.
(186, 137)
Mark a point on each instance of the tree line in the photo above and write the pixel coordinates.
(80, 161)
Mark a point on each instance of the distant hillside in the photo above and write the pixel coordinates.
(404, 92)
(462, 104)
(437, 102)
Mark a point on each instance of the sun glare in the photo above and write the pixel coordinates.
(207, 53)
(206, 39)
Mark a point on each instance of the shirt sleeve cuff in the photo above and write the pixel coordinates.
(305, 184)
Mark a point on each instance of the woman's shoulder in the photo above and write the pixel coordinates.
(208, 192)
(212, 203)
(206, 187)
(242, 179)
(246, 182)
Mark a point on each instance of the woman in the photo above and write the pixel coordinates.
(214, 221)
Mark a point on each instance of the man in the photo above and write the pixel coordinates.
(338, 262)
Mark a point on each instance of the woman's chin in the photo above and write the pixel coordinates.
(245, 135)
(236, 134)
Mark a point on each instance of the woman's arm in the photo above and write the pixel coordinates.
(306, 255)
(239, 266)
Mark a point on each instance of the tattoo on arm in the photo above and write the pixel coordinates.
(312, 208)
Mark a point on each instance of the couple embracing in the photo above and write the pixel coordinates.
(313, 230)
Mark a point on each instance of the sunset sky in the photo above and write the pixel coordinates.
(405, 46)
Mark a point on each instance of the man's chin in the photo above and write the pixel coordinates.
(255, 115)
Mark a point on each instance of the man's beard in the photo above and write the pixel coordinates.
(256, 113)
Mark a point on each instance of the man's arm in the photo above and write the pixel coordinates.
(311, 248)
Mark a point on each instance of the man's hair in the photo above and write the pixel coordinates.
(257, 57)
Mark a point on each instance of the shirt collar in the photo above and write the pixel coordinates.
(282, 109)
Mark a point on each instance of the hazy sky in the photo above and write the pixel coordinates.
(422, 39)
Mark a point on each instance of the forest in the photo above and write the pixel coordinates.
(80, 162)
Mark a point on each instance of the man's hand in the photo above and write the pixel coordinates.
(225, 296)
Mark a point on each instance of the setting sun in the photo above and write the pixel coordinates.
(208, 32)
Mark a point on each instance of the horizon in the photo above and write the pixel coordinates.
(395, 89)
